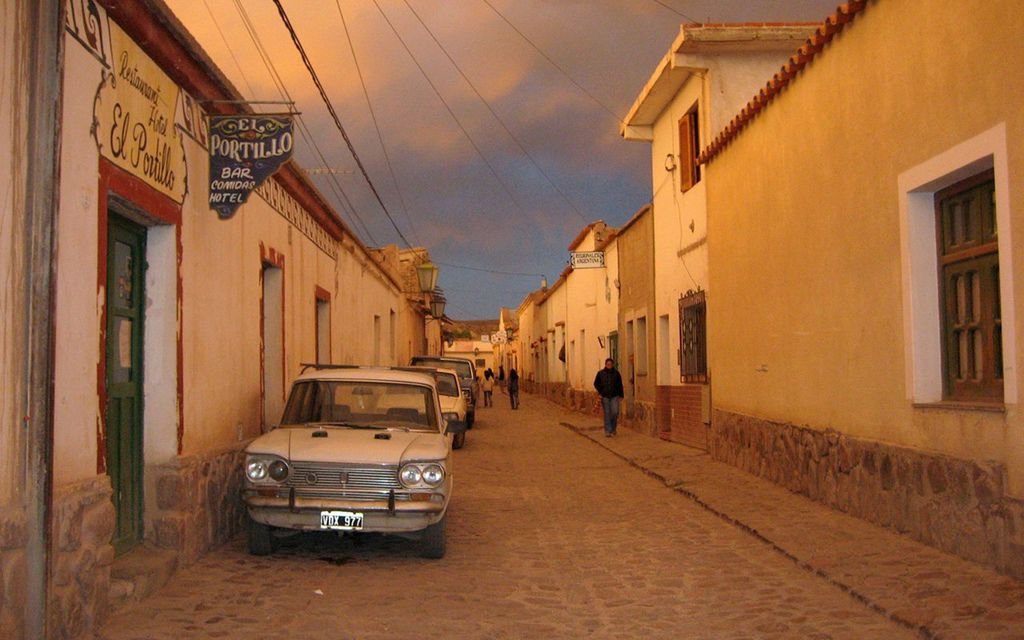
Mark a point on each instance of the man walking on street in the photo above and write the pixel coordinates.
(608, 383)
(513, 388)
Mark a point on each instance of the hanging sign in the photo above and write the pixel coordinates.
(245, 150)
(134, 116)
(586, 259)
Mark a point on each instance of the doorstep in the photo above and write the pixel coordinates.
(139, 574)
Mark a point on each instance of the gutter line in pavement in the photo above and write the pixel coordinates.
(864, 599)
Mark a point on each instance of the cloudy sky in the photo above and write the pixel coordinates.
(489, 128)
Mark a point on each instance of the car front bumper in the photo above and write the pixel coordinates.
(385, 516)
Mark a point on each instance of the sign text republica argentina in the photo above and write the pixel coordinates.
(586, 259)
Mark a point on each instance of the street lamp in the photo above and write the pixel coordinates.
(437, 302)
(427, 275)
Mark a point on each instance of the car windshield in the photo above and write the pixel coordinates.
(464, 368)
(359, 404)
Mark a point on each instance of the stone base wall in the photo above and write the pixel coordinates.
(13, 568)
(81, 555)
(639, 416)
(959, 506)
(195, 502)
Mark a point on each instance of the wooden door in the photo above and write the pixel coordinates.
(126, 251)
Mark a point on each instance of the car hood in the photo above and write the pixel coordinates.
(356, 446)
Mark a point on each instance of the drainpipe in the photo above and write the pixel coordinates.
(45, 22)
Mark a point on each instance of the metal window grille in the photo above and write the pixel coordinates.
(693, 356)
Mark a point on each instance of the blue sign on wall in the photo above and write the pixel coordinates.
(245, 150)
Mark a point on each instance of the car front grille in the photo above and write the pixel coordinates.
(320, 480)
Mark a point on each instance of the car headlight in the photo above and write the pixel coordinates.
(421, 474)
(410, 475)
(262, 468)
(451, 416)
(433, 475)
(278, 470)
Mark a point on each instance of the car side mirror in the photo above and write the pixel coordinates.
(455, 426)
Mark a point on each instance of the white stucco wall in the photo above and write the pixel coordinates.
(76, 403)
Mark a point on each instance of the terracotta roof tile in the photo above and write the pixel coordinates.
(787, 74)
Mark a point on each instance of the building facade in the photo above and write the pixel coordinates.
(176, 330)
(709, 72)
(633, 346)
(864, 251)
(566, 331)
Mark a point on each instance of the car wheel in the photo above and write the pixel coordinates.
(458, 440)
(261, 540)
(434, 539)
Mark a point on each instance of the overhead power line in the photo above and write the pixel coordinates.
(503, 273)
(376, 125)
(337, 120)
(553, 63)
(345, 205)
(493, 113)
(674, 10)
(451, 112)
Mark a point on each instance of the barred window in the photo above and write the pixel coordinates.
(969, 263)
(693, 352)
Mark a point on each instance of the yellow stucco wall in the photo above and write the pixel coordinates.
(807, 323)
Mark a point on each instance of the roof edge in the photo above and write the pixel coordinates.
(707, 38)
(787, 74)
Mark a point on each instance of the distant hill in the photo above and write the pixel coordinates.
(475, 328)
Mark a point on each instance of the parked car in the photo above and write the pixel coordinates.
(358, 450)
(467, 377)
(453, 402)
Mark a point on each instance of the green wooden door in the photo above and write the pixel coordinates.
(126, 251)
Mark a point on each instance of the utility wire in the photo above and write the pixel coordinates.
(284, 93)
(337, 121)
(231, 51)
(492, 112)
(503, 273)
(376, 124)
(472, 143)
(336, 188)
(675, 11)
(553, 63)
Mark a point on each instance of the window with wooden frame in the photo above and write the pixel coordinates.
(969, 280)
(689, 148)
(693, 349)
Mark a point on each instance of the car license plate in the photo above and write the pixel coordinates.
(341, 520)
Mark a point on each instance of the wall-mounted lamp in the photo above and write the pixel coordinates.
(670, 162)
(426, 274)
(600, 341)
(437, 304)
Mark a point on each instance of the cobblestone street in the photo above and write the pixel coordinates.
(549, 536)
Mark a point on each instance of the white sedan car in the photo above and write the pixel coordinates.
(358, 450)
(454, 404)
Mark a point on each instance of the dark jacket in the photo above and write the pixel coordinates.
(513, 380)
(608, 383)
